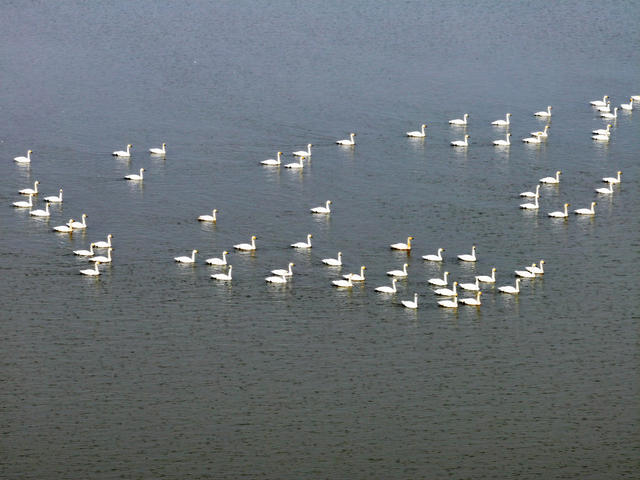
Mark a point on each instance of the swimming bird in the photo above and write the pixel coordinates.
(26, 159)
(475, 286)
(448, 303)
(85, 253)
(123, 153)
(461, 143)
(613, 115)
(40, 212)
(102, 244)
(532, 194)
(159, 151)
(613, 180)
(284, 273)
(402, 246)
(134, 176)
(526, 273)
(324, 210)
(272, 162)
(502, 123)
(627, 106)
(563, 214)
(399, 273)
(356, 277)
(348, 142)
(218, 261)
(30, 191)
(303, 245)
(54, 198)
(343, 283)
(333, 262)
(510, 289)
(602, 131)
(537, 269)
(102, 258)
(460, 121)
(209, 218)
(79, 225)
(599, 103)
(503, 143)
(604, 108)
(474, 302)
(469, 258)
(418, 134)
(544, 133)
(64, 228)
(636, 98)
(447, 292)
(601, 138)
(440, 282)
(544, 113)
(434, 258)
(91, 272)
(23, 204)
(276, 279)
(247, 247)
(531, 206)
(552, 180)
(296, 165)
(388, 289)
(532, 140)
(223, 276)
(184, 259)
(586, 211)
(304, 153)
(486, 278)
(411, 304)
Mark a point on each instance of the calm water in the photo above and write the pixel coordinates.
(156, 371)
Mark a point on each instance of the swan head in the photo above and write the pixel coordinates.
(508, 114)
(541, 262)
(194, 251)
(423, 125)
(164, 145)
(309, 145)
(215, 210)
(225, 253)
(253, 237)
(29, 152)
(593, 204)
(129, 145)
(558, 172)
(309, 237)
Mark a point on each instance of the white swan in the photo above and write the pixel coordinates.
(23, 204)
(323, 210)
(276, 279)
(474, 287)
(474, 302)
(532, 194)
(413, 304)
(272, 162)
(333, 262)
(601, 138)
(103, 244)
(85, 253)
(388, 289)
(636, 98)
(599, 103)
(627, 106)
(440, 282)
(418, 133)
(552, 180)
(296, 165)
(510, 289)
(350, 142)
(526, 273)
(92, 272)
(613, 180)
(538, 270)
(532, 140)
(30, 191)
(546, 113)
(544, 133)
(486, 278)
(469, 258)
(102, 258)
(304, 153)
(448, 303)
(134, 176)
(447, 292)
(40, 212)
(502, 123)
(209, 218)
(79, 225)
(184, 259)
(356, 277)
(223, 276)
(434, 258)
(399, 273)
(303, 245)
(159, 151)
(402, 246)
(602, 131)
(586, 211)
(460, 121)
(247, 247)
(26, 159)
(613, 115)
(503, 143)
(531, 206)
(343, 283)
(461, 143)
(64, 228)
(54, 198)
(284, 273)
(563, 214)
(123, 153)
(218, 261)
(604, 108)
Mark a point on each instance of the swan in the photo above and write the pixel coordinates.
(461, 143)
(26, 159)
(531, 206)
(474, 302)
(448, 303)
(30, 191)
(602, 131)
(209, 218)
(613, 115)
(604, 108)
(304, 153)
(627, 106)
(284, 273)
(636, 98)
(474, 287)
(184, 259)
(102, 258)
(102, 244)
(123, 153)
(532, 140)
(85, 253)
(159, 151)
(92, 272)
(348, 283)
(134, 176)
(23, 204)
(303, 245)
(64, 228)
(502, 123)
(447, 292)
(563, 214)
(544, 133)
(53, 198)
(486, 278)
(460, 121)
(276, 279)
(333, 262)
(532, 194)
(418, 134)
(348, 142)
(586, 211)
(411, 304)
(223, 276)
(526, 273)
(440, 282)
(324, 209)
(503, 143)
(535, 269)
(40, 212)
(354, 277)
(399, 273)
(552, 180)
(543, 113)
(295, 165)
(247, 247)
(601, 138)
(402, 246)
(469, 258)
(599, 103)
(388, 289)
(218, 261)
(613, 180)
(510, 289)
(79, 225)
(272, 162)
(434, 258)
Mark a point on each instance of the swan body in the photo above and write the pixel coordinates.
(440, 282)
(510, 289)
(343, 283)
(159, 151)
(247, 247)
(460, 121)
(135, 176)
(627, 106)
(297, 166)
(413, 304)
(303, 245)
(354, 277)
(402, 246)
(538, 270)
(350, 142)
(610, 115)
(54, 198)
(563, 214)
(503, 143)
(218, 261)
(23, 204)
(502, 123)
(323, 210)
(399, 273)
(486, 278)
(474, 287)
(304, 153)
(447, 292)
(30, 191)
(333, 262)
(602, 131)
(546, 113)
(273, 162)
(604, 108)
(586, 211)
(469, 258)
(223, 276)
(552, 180)
(185, 259)
(26, 159)
(448, 303)
(526, 273)
(209, 218)
(388, 289)
(434, 258)
(85, 253)
(613, 180)
(601, 138)
(599, 103)
(41, 213)
(276, 279)
(474, 302)
(461, 143)
(104, 244)
(532, 194)
(102, 258)
(531, 206)
(91, 272)
(418, 133)
(123, 153)
(284, 273)
(64, 228)
(532, 140)
(544, 133)
(636, 98)
(79, 225)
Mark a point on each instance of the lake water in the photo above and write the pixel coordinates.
(154, 370)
